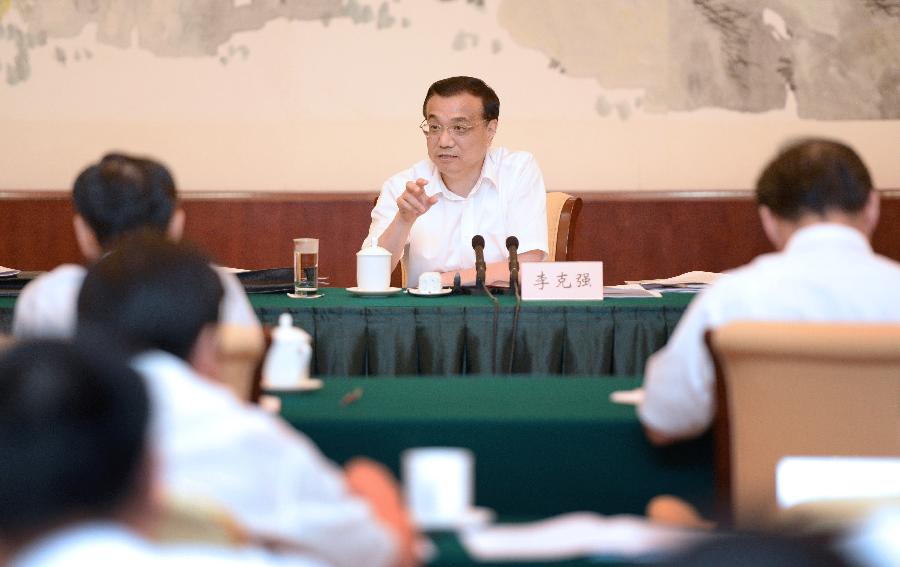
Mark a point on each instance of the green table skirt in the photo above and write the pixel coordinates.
(402, 334)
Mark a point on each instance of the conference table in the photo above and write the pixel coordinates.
(543, 445)
(466, 334)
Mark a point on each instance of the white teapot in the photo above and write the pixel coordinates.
(287, 362)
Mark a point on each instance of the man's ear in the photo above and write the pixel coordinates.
(205, 355)
(870, 213)
(176, 225)
(492, 128)
(772, 227)
(87, 240)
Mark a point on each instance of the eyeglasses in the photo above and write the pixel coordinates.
(457, 130)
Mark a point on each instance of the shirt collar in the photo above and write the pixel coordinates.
(489, 171)
(830, 235)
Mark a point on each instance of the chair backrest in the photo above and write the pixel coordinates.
(801, 389)
(241, 348)
(562, 214)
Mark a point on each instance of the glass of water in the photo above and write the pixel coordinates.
(306, 266)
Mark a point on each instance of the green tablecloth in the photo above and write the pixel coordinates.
(403, 334)
(543, 445)
(6, 314)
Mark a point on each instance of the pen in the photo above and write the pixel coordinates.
(351, 396)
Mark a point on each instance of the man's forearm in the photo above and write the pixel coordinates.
(394, 237)
(495, 271)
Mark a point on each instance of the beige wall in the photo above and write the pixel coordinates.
(335, 108)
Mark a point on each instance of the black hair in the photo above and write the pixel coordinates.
(814, 176)
(122, 193)
(476, 87)
(150, 293)
(73, 427)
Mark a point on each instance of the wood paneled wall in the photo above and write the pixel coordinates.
(637, 235)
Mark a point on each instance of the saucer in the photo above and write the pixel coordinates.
(307, 385)
(415, 291)
(295, 296)
(474, 517)
(373, 292)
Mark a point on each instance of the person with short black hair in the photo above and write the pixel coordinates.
(160, 299)
(431, 211)
(818, 207)
(113, 198)
(78, 469)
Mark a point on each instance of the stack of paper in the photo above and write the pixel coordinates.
(7, 272)
(629, 290)
(579, 534)
(691, 282)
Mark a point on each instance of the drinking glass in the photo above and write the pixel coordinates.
(306, 266)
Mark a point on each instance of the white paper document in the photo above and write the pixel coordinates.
(579, 534)
(690, 282)
(629, 290)
(7, 272)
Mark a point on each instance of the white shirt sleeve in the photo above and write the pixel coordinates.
(309, 501)
(46, 307)
(386, 206)
(679, 379)
(527, 206)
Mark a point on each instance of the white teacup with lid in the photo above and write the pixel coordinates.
(373, 268)
(287, 362)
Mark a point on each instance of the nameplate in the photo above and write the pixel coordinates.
(543, 281)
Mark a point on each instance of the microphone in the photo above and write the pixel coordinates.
(480, 266)
(512, 245)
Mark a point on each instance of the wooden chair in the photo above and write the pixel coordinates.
(800, 389)
(562, 215)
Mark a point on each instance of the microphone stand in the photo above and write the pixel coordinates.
(512, 244)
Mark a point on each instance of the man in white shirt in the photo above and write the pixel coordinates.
(116, 196)
(77, 468)
(161, 299)
(818, 208)
(463, 189)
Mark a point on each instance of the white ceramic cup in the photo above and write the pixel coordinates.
(430, 282)
(439, 484)
(373, 269)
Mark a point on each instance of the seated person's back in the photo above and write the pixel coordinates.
(163, 300)
(117, 196)
(818, 208)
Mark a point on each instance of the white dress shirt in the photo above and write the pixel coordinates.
(102, 543)
(47, 306)
(270, 477)
(509, 199)
(827, 272)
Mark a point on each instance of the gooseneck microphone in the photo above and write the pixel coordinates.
(480, 270)
(480, 266)
(512, 245)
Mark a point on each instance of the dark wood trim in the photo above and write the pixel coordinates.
(637, 234)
